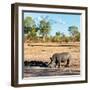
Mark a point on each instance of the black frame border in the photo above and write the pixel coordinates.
(14, 44)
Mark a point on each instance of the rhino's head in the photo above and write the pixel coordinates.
(52, 63)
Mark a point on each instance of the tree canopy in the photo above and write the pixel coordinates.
(74, 32)
(43, 29)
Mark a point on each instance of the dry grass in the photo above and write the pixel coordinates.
(43, 52)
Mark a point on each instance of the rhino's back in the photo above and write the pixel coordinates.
(62, 56)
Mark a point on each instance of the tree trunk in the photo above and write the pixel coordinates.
(44, 38)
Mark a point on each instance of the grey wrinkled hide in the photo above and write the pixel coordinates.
(57, 58)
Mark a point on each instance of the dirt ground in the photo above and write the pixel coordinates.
(43, 52)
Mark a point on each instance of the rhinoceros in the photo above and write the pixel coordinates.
(57, 58)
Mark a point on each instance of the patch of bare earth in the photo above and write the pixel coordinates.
(43, 52)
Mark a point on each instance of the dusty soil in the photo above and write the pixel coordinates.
(43, 52)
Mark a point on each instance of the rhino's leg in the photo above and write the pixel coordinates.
(67, 64)
(58, 64)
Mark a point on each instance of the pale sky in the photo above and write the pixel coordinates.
(59, 22)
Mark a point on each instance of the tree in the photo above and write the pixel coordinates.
(29, 23)
(64, 38)
(45, 28)
(30, 28)
(58, 34)
(57, 37)
(78, 37)
(75, 34)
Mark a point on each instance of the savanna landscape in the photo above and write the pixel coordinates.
(43, 37)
